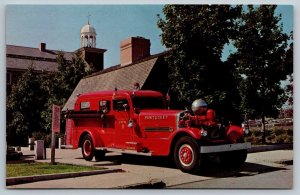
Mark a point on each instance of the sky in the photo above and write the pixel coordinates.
(59, 26)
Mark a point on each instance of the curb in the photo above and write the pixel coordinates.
(152, 184)
(35, 178)
(270, 147)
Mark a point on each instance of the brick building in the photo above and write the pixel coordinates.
(19, 58)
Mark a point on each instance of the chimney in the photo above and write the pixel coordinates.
(42, 46)
(133, 49)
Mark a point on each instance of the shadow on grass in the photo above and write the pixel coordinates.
(22, 159)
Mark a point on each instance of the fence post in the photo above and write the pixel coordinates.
(31, 144)
(39, 150)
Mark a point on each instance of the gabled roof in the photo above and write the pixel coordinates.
(19, 58)
(22, 64)
(120, 77)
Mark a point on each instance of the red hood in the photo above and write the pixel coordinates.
(159, 119)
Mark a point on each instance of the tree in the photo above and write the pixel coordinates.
(30, 103)
(288, 58)
(24, 106)
(288, 67)
(60, 85)
(290, 91)
(259, 61)
(195, 36)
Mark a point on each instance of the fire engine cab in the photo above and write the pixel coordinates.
(138, 122)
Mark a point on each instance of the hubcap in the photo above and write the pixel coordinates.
(186, 155)
(87, 146)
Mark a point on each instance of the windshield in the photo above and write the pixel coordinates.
(148, 103)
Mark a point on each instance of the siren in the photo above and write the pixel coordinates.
(137, 86)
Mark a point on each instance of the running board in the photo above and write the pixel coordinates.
(66, 146)
(124, 151)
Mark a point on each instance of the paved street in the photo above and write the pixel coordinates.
(281, 178)
(274, 168)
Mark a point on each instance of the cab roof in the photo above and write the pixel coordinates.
(148, 93)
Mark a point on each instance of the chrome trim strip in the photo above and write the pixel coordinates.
(147, 129)
(124, 151)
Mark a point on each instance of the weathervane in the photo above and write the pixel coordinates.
(88, 17)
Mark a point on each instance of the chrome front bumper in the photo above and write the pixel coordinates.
(224, 148)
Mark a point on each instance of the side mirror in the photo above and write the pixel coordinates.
(104, 111)
(125, 106)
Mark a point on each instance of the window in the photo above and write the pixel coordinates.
(84, 105)
(104, 105)
(121, 105)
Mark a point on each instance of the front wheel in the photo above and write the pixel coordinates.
(187, 155)
(87, 148)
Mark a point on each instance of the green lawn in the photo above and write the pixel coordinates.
(28, 169)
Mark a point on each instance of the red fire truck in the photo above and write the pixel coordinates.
(138, 122)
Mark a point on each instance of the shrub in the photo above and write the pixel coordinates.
(279, 131)
(289, 139)
(257, 133)
(280, 139)
(268, 132)
(42, 136)
(289, 132)
(276, 134)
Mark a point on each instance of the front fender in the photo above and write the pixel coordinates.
(189, 131)
(234, 133)
(96, 137)
(193, 132)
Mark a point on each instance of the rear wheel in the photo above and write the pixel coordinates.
(87, 148)
(187, 155)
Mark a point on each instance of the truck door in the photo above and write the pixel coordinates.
(107, 123)
(123, 133)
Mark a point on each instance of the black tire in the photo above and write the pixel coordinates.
(87, 148)
(99, 155)
(234, 158)
(187, 155)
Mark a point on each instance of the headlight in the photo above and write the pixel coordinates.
(203, 133)
(245, 129)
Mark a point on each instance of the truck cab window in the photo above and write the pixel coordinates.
(104, 105)
(120, 105)
(85, 105)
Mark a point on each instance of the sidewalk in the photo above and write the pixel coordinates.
(138, 172)
(264, 148)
